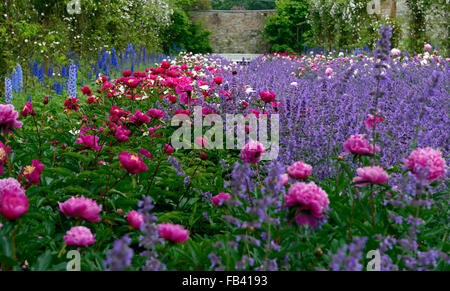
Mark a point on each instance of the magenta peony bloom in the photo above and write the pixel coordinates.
(310, 199)
(300, 170)
(4, 153)
(374, 175)
(371, 121)
(72, 103)
(220, 198)
(132, 163)
(426, 162)
(32, 173)
(89, 142)
(145, 153)
(139, 118)
(86, 91)
(252, 152)
(135, 219)
(13, 201)
(358, 144)
(79, 236)
(121, 134)
(82, 207)
(168, 149)
(126, 73)
(267, 96)
(218, 80)
(28, 110)
(8, 118)
(173, 232)
(156, 113)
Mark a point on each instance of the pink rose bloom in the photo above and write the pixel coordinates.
(135, 219)
(81, 207)
(132, 163)
(373, 175)
(32, 173)
(79, 236)
(300, 170)
(371, 121)
(173, 232)
(139, 118)
(252, 152)
(13, 201)
(201, 142)
(8, 118)
(310, 199)
(358, 144)
(219, 199)
(168, 149)
(156, 113)
(267, 96)
(284, 179)
(427, 47)
(426, 161)
(89, 142)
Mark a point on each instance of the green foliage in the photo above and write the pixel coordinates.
(286, 30)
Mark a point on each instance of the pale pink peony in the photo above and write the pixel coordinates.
(358, 144)
(428, 160)
(373, 175)
(284, 179)
(8, 118)
(13, 201)
(427, 47)
(81, 207)
(252, 152)
(300, 170)
(371, 121)
(173, 232)
(310, 199)
(329, 71)
(135, 219)
(79, 236)
(201, 142)
(395, 52)
(220, 198)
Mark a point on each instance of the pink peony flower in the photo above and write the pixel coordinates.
(201, 142)
(218, 80)
(79, 236)
(426, 163)
(156, 113)
(28, 110)
(329, 71)
(252, 152)
(139, 118)
(82, 207)
(86, 91)
(220, 198)
(427, 47)
(300, 170)
(89, 142)
(371, 121)
(4, 153)
(173, 232)
(32, 173)
(168, 149)
(358, 144)
(13, 201)
(395, 52)
(72, 103)
(132, 163)
(284, 179)
(374, 175)
(267, 96)
(310, 199)
(8, 118)
(145, 153)
(126, 73)
(135, 219)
